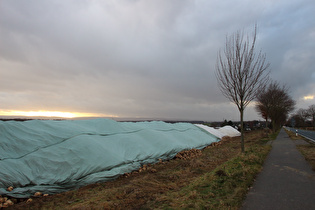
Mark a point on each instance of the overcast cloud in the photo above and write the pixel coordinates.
(145, 58)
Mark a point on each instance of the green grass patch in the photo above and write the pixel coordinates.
(223, 188)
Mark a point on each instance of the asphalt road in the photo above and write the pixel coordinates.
(307, 134)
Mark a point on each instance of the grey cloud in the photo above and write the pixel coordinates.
(143, 58)
(289, 44)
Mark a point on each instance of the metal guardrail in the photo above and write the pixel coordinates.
(310, 135)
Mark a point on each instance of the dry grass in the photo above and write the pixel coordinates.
(307, 150)
(178, 183)
(293, 136)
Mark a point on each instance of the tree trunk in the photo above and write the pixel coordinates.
(273, 126)
(242, 130)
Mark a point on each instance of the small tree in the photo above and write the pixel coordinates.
(240, 72)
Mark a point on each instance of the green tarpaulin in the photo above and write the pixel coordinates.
(56, 156)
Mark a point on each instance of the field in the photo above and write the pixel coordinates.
(217, 177)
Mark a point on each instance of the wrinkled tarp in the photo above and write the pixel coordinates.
(56, 156)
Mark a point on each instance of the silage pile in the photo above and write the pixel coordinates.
(221, 132)
(56, 156)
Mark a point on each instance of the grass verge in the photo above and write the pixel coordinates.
(218, 177)
(223, 188)
(307, 150)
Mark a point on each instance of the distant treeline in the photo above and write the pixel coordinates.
(168, 121)
(23, 119)
(15, 119)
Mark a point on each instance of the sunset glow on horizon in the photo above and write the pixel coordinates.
(42, 113)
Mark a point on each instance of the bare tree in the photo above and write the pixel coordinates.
(263, 105)
(277, 101)
(240, 72)
(303, 114)
(311, 112)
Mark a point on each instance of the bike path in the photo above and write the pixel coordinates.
(286, 181)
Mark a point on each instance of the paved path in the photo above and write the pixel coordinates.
(286, 181)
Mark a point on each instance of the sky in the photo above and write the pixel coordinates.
(144, 58)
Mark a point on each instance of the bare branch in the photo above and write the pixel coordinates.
(240, 72)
